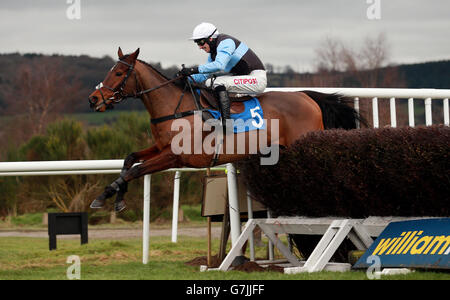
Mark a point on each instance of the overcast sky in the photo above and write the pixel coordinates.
(281, 32)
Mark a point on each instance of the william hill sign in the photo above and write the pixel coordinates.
(415, 244)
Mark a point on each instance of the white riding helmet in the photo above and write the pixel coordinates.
(204, 30)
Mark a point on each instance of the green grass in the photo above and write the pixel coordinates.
(27, 219)
(193, 213)
(29, 258)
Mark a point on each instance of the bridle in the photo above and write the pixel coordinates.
(118, 92)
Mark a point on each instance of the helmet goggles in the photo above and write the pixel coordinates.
(203, 41)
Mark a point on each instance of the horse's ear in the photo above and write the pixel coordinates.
(135, 54)
(120, 53)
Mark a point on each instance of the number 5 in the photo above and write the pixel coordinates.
(254, 114)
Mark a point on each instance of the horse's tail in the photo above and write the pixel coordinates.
(337, 110)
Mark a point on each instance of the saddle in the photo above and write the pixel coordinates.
(207, 99)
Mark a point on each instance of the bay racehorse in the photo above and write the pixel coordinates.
(288, 116)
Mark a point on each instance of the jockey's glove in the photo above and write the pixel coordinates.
(189, 71)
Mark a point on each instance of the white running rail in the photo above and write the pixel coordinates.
(427, 95)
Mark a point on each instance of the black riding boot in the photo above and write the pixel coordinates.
(224, 103)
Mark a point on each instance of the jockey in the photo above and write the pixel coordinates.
(226, 54)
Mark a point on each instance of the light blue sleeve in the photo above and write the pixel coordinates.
(201, 77)
(225, 50)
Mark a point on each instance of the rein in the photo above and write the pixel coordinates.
(181, 114)
(157, 87)
(119, 91)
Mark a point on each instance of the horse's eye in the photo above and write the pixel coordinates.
(118, 73)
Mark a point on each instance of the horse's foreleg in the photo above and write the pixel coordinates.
(166, 159)
(134, 157)
(120, 186)
(130, 160)
(161, 161)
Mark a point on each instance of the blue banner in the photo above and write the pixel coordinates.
(416, 244)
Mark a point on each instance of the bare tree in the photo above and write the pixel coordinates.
(374, 55)
(338, 64)
(334, 55)
(41, 88)
(328, 55)
(364, 65)
(375, 52)
(348, 59)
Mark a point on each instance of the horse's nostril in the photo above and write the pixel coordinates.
(92, 101)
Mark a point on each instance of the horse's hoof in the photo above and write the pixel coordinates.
(119, 206)
(97, 203)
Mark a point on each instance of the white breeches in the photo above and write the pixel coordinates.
(254, 83)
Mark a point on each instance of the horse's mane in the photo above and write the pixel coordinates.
(179, 83)
(153, 68)
(148, 65)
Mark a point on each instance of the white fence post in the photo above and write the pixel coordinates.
(411, 112)
(446, 112)
(428, 113)
(146, 226)
(176, 204)
(375, 112)
(393, 112)
(235, 216)
(356, 106)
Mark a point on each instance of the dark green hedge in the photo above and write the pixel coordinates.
(358, 173)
